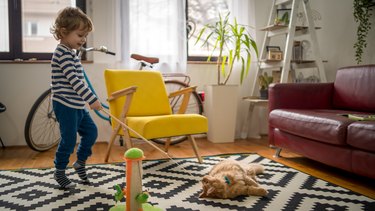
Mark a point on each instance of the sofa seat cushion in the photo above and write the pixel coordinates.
(326, 126)
(361, 135)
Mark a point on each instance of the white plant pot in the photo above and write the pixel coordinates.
(220, 108)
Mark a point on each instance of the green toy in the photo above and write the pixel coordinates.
(119, 194)
(363, 117)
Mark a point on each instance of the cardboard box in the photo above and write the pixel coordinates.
(275, 55)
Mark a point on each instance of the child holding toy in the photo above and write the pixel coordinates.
(70, 94)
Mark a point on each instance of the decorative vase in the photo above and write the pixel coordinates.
(263, 94)
(220, 108)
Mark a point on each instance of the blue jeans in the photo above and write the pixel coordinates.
(72, 121)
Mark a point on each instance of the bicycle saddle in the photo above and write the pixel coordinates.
(151, 60)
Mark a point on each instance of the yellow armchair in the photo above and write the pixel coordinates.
(140, 100)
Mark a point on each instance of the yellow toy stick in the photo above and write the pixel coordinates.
(135, 132)
(144, 139)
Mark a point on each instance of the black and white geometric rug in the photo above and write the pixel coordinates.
(173, 188)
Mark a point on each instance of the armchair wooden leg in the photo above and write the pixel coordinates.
(195, 148)
(128, 142)
(113, 137)
(167, 144)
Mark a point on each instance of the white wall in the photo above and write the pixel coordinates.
(336, 38)
(21, 84)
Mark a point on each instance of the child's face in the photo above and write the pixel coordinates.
(75, 39)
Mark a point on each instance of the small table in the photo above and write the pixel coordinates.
(254, 101)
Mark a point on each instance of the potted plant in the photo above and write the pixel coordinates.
(264, 81)
(362, 13)
(234, 44)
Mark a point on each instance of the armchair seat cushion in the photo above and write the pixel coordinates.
(361, 135)
(322, 125)
(173, 125)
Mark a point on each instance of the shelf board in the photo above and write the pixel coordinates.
(292, 61)
(279, 27)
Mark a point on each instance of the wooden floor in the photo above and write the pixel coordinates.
(24, 157)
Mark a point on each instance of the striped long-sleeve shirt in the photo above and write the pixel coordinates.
(68, 86)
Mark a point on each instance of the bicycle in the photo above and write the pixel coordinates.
(42, 129)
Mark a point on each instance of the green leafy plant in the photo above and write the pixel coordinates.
(264, 81)
(284, 19)
(233, 42)
(362, 14)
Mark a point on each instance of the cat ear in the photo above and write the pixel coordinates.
(210, 191)
(203, 194)
(205, 186)
(207, 179)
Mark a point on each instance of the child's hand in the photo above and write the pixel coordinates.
(96, 105)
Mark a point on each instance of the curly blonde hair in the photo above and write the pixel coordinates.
(70, 19)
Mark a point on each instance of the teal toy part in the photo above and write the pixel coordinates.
(133, 153)
(227, 180)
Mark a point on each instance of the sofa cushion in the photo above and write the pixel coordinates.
(334, 155)
(362, 135)
(326, 126)
(354, 88)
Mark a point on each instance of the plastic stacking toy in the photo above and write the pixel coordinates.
(136, 198)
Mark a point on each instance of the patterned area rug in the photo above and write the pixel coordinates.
(173, 188)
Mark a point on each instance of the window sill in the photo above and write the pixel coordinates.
(202, 62)
(35, 62)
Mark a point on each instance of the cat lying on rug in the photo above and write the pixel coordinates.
(229, 179)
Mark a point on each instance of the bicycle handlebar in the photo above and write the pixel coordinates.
(102, 49)
(111, 53)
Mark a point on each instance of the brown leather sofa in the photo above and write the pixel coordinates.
(307, 118)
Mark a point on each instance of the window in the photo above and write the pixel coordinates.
(4, 26)
(199, 13)
(25, 27)
(31, 29)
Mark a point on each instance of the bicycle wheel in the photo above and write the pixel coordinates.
(195, 106)
(42, 130)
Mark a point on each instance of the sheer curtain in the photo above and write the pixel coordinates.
(153, 28)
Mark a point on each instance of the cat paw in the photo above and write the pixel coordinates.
(263, 192)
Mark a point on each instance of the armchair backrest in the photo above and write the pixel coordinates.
(151, 97)
(354, 88)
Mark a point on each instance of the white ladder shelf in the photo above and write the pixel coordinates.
(291, 31)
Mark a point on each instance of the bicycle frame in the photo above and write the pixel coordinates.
(104, 50)
(93, 90)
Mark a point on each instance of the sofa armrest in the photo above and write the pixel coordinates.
(300, 96)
